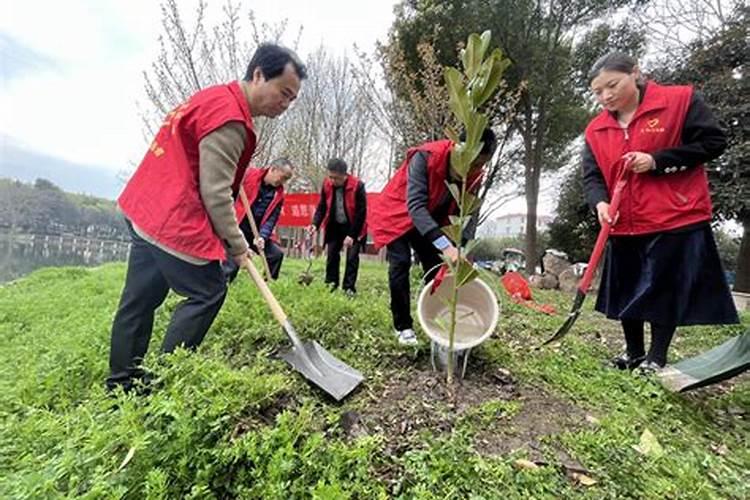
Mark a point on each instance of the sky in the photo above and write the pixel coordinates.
(71, 78)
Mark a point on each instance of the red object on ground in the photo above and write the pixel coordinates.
(520, 292)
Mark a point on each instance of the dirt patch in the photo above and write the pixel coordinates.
(541, 415)
(414, 398)
(265, 415)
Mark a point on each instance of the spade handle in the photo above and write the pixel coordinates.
(256, 235)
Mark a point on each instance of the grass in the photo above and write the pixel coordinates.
(232, 421)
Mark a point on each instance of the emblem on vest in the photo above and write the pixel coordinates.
(652, 127)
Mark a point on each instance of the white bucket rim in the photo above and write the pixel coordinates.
(460, 346)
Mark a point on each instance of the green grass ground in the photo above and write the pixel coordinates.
(232, 421)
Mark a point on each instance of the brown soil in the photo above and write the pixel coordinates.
(414, 398)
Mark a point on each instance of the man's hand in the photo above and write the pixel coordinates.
(602, 212)
(242, 259)
(259, 243)
(639, 162)
(311, 229)
(451, 252)
(348, 242)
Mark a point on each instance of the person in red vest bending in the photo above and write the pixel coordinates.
(408, 216)
(179, 206)
(661, 265)
(264, 188)
(342, 213)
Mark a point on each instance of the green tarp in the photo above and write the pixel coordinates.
(720, 363)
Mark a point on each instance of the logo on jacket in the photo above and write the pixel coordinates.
(652, 126)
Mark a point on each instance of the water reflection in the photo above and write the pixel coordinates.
(22, 253)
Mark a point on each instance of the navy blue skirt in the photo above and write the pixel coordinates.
(670, 278)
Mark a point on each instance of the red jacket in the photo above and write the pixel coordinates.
(391, 218)
(251, 183)
(350, 201)
(163, 196)
(651, 203)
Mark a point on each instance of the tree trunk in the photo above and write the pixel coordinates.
(532, 195)
(742, 280)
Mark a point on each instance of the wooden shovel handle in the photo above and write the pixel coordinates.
(276, 309)
(254, 228)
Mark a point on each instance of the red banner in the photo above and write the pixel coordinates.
(299, 208)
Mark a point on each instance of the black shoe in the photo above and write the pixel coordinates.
(649, 368)
(627, 362)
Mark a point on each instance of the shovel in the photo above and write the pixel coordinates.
(309, 358)
(596, 254)
(256, 235)
(306, 277)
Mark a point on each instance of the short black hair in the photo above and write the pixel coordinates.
(613, 61)
(272, 59)
(337, 165)
(489, 141)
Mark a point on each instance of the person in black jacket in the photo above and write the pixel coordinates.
(266, 188)
(342, 213)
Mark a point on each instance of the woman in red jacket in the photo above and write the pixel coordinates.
(661, 265)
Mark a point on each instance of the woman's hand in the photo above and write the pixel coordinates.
(602, 213)
(639, 162)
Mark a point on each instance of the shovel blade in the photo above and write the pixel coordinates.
(575, 311)
(324, 370)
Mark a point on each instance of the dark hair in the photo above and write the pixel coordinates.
(272, 59)
(337, 165)
(488, 139)
(282, 161)
(613, 61)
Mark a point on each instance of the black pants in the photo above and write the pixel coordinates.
(399, 264)
(335, 235)
(274, 256)
(151, 273)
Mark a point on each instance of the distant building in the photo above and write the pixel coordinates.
(512, 225)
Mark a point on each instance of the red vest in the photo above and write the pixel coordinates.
(391, 218)
(163, 196)
(651, 203)
(251, 183)
(350, 201)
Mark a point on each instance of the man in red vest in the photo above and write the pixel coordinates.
(264, 188)
(342, 213)
(409, 213)
(179, 206)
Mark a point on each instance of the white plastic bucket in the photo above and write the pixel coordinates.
(477, 313)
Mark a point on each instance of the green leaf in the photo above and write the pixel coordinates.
(465, 273)
(453, 232)
(442, 324)
(485, 37)
(470, 246)
(470, 204)
(457, 96)
(493, 70)
(451, 134)
(648, 445)
(474, 129)
(456, 221)
(454, 191)
(472, 56)
(461, 158)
